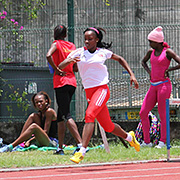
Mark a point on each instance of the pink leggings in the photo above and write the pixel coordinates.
(156, 94)
(97, 98)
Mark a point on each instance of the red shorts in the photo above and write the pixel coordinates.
(97, 98)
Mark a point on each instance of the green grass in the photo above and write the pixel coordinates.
(118, 153)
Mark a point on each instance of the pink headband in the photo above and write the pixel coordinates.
(94, 29)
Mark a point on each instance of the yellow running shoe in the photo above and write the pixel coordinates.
(77, 157)
(134, 143)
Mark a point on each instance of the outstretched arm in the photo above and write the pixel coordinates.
(124, 63)
(68, 61)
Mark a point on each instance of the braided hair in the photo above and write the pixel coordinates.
(99, 34)
(60, 32)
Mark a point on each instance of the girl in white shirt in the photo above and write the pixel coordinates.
(90, 61)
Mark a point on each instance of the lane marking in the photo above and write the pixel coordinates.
(89, 173)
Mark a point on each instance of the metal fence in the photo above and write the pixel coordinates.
(127, 24)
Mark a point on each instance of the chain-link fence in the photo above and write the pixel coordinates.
(127, 24)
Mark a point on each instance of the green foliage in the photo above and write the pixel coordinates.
(106, 2)
(30, 6)
(8, 24)
(19, 98)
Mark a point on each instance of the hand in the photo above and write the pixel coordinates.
(27, 143)
(74, 60)
(60, 72)
(133, 79)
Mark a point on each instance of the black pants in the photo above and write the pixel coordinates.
(63, 97)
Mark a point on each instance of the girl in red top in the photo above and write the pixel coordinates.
(64, 84)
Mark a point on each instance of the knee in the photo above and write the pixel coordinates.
(108, 127)
(143, 114)
(34, 126)
(89, 118)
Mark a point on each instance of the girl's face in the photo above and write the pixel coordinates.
(153, 44)
(90, 40)
(40, 102)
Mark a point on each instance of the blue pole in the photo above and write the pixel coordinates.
(168, 129)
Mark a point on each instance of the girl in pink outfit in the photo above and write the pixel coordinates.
(160, 56)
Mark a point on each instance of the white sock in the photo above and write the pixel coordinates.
(58, 149)
(79, 145)
(82, 150)
(128, 138)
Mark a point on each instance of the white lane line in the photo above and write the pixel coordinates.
(89, 173)
(137, 176)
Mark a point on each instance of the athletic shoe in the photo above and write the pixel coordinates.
(160, 145)
(143, 144)
(59, 152)
(134, 143)
(5, 149)
(77, 157)
(78, 148)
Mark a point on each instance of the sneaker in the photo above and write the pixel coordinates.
(160, 145)
(5, 149)
(77, 157)
(134, 143)
(143, 144)
(78, 148)
(59, 152)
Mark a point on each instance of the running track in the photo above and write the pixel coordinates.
(159, 170)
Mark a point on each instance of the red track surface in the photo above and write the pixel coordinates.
(137, 171)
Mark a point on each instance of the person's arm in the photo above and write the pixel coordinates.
(144, 62)
(68, 61)
(124, 63)
(28, 142)
(50, 116)
(75, 67)
(52, 49)
(172, 55)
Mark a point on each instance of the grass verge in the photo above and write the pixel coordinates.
(118, 153)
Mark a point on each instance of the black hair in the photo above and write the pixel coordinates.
(99, 34)
(60, 32)
(46, 97)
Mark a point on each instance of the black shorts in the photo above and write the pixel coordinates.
(63, 97)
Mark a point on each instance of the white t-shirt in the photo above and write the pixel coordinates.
(92, 69)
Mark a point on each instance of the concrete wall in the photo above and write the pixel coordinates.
(10, 131)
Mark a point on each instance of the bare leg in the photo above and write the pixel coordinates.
(118, 131)
(74, 130)
(33, 118)
(61, 133)
(87, 134)
(38, 132)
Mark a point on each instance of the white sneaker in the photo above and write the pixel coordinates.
(143, 144)
(160, 145)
